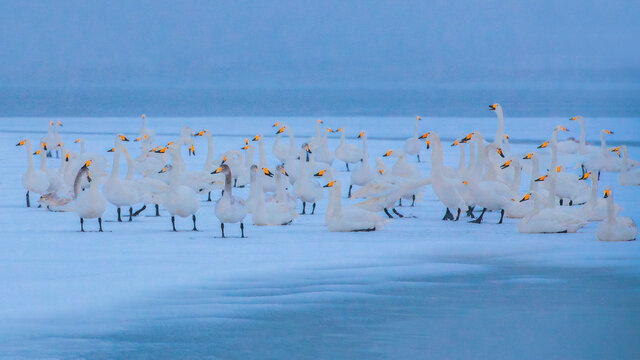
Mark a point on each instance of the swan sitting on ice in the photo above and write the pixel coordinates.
(596, 208)
(615, 228)
(34, 180)
(349, 218)
(274, 212)
(229, 209)
(547, 220)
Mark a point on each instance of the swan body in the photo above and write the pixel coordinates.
(87, 203)
(340, 218)
(278, 211)
(628, 175)
(179, 199)
(547, 220)
(120, 192)
(307, 189)
(34, 180)
(603, 160)
(347, 153)
(448, 190)
(615, 228)
(229, 209)
(362, 173)
(596, 208)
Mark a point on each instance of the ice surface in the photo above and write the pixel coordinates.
(419, 288)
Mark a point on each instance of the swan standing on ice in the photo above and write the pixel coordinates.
(489, 193)
(281, 151)
(179, 199)
(615, 228)
(348, 153)
(307, 189)
(34, 180)
(349, 218)
(362, 173)
(413, 145)
(229, 209)
(120, 192)
(448, 190)
(87, 203)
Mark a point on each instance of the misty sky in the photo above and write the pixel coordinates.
(316, 43)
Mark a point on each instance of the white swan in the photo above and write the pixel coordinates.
(347, 153)
(498, 140)
(615, 228)
(402, 167)
(34, 180)
(322, 152)
(145, 132)
(413, 145)
(349, 218)
(120, 192)
(229, 209)
(362, 173)
(520, 209)
(546, 220)
(448, 190)
(583, 147)
(628, 175)
(275, 212)
(268, 183)
(307, 189)
(152, 191)
(596, 208)
(603, 160)
(87, 203)
(179, 199)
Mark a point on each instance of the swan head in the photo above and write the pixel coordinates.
(605, 131)
(37, 152)
(320, 173)
(585, 176)
(388, 153)
(66, 157)
(144, 116)
(494, 107)
(526, 197)
(281, 129)
(77, 140)
(607, 192)
(257, 137)
(455, 143)
(44, 145)
(20, 143)
(223, 168)
(528, 156)
(418, 118)
(121, 137)
(281, 169)
(541, 178)
(330, 184)
(500, 152)
(59, 123)
(201, 132)
(361, 135)
(543, 145)
(320, 121)
(506, 164)
(267, 172)
(424, 136)
(560, 128)
(578, 118)
(466, 138)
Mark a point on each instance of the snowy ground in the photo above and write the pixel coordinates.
(419, 288)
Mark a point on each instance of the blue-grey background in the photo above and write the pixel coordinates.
(329, 57)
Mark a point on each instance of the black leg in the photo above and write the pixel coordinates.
(350, 187)
(347, 165)
(140, 210)
(235, 182)
(157, 210)
(313, 209)
(209, 198)
(222, 228)
(598, 174)
(242, 229)
(100, 223)
(400, 202)
(130, 213)
(82, 224)
(387, 212)
(479, 219)
(448, 215)
(501, 216)
(570, 202)
(194, 222)
(470, 212)
(418, 155)
(119, 218)
(173, 222)
(413, 199)
(304, 205)
(28, 203)
(458, 216)
(397, 213)
(561, 202)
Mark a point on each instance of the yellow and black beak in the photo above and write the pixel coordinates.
(541, 178)
(543, 145)
(585, 176)
(574, 118)
(280, 130)
(493, 107)
(284, 172)
(526, 197)
(361, 135)
(330, 184)
(66, 157)
(111, 150)
(77, 141)
(388, 153)
(123, 138)
(256, 138)
(607, 193)
(37, 152)
(161, 150)
(267, 172)
(276, 124)
(246, 147)
(466, 138)
(424, 136)
(528, 156)
(136, 139)
(217, 171)
(505, 165)
(164, 170)
(20, 143)
(44, 146)
(455, 143)
(319, 173)
(192, 150)
(608, 131)
(500, 152)
(59, 123)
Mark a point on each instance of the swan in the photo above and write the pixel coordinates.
(349, 218)
(152, 191)
(201, 181)
(546, 220)
(275, 212)
(282, 151)
(307, 189)
(56, 182)
(87, 203)
(34, 180)
(186, 137)
(120, 192)
(268, 183)
(348, 153)
(317, 140)
(461, 160)
(489, 193)
(401, 167)
(252, 199)
(500, 131)
(150, 162)
(179, 199)
(146, 133)
(519, 209)
(628, 175)
(283, 193)
(362, 173)
(583, 147)
(229, 209)
(596, 208)
(413, 145)
(603, 160)
(52, 137)
(322, 152)
(448, 191)
(615, 228)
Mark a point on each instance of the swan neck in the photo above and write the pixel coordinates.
(611, 216)
(209, 161)
(29, 149)
(500, 130)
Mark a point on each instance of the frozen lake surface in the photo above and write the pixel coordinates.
(420, 288)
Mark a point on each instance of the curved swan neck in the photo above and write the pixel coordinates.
(365, 149)
(115, 168)
(583, 135)
(517, 176)
(461, 163)
(227, 183)
(336, 206)
(436, 154)
(603, 142)
(43, 160)
(594, 189)
(263, 155)
(500, 131)
(127, 156)
(415, 129)
(342, 136)
(552, 188)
